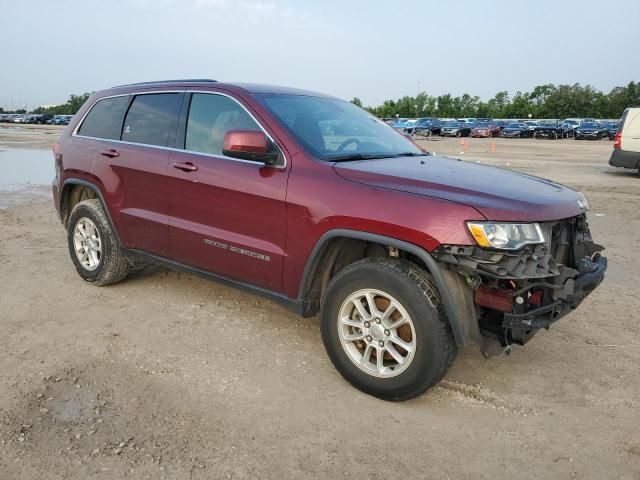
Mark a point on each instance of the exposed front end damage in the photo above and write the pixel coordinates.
(516, 293)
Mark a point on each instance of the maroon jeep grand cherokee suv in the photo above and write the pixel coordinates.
(317, 204)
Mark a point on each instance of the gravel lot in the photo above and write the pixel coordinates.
(171, 376)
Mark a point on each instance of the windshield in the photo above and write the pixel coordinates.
(453, 124)
(515, 125)
(334, 129)
(484, 125)
(589, 125)
(549, 123)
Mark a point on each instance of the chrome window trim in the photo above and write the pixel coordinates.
(221, 157)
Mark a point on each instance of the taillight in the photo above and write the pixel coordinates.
(617, 141)
(57, 158)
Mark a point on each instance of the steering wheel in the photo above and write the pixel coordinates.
(348, 141)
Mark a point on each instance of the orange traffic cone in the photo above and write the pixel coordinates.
(465, 146)
(493, 147)
(462, 141)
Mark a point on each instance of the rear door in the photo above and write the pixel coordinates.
(135, 168)
(228, 215)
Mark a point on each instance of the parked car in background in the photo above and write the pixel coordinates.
(61, 119)
(485, 129)
(571, 124)
(402, 124)
(590, 131)
(501, 124)
(612, 129)
(516, 130)
(626, 145)
(418, 121)
(469, 121)
(530, 125)
(427, 127)
(44, 118)
(548, 129)
(455, 128)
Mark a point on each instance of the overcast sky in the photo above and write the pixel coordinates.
(371, 49)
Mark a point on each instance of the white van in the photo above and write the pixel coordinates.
(626, 145)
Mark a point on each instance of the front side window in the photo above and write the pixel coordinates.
(332, 129)
(151, 118)
(210, 118)
(105, 118)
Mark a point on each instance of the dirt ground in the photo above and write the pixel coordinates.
(169, 376)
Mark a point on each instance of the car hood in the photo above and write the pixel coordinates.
(496, 193)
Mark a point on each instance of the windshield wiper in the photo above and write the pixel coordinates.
(370, 156)
(410, 154)
(355, 156)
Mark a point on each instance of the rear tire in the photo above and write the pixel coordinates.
(402, 294)
(93, 245)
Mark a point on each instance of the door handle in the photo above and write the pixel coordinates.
(110, 153)
(185, 166)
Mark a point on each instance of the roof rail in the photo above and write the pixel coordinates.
(182, 80)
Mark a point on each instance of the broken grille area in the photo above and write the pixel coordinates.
(530, 262)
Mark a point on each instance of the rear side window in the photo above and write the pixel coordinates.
(210, 118)
(622, 119)
(151, 118)
(105, 118)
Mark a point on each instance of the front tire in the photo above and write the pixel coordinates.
(385, 329)
(93, 245)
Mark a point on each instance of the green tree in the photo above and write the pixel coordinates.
(70, 108)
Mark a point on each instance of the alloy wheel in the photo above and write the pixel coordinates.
(87, 244)
(377, 333)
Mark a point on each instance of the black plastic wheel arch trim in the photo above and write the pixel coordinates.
(455, 320)
(95, 188)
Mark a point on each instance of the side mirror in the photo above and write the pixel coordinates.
(249, 145)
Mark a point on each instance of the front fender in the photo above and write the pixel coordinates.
(456, 296)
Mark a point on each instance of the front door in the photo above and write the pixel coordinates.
(227, 215)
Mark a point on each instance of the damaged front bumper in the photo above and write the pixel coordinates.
(577, 290)
(516, 293)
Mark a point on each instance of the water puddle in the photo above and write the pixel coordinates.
(19, 168)
(25, 175)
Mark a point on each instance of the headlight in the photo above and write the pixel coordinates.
(506, 236)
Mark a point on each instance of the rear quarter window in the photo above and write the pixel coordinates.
(151, 118)
(622, 119)
(105, 118)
